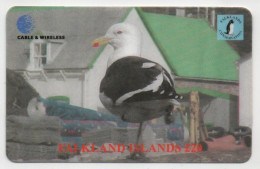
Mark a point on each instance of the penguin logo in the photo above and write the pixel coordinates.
(230, 27)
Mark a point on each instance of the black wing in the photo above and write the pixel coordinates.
(129, 74)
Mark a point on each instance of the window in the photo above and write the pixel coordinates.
(40, 49)
(40, 54)
(43, 52)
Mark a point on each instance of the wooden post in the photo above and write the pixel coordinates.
(202, 128)
(213, 18)
(207, 14)
(198, 131)
(192, 131)
(198, 12)
(194, 117)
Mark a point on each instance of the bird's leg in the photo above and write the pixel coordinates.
(134, 154)
(139, 132)
(169, 118)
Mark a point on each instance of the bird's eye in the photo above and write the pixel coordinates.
(119, 32)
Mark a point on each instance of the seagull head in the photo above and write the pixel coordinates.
(119, 35)
(124, 38)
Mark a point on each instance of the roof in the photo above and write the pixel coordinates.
(191, 48)
(80, 27)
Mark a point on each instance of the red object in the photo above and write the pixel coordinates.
(226, 139)
(95, 44)
(227, 142)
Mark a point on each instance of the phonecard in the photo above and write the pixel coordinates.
(129, 84)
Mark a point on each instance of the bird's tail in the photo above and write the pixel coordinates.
(175, 102)
(175, 99)
(177, 96)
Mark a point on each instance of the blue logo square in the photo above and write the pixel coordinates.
(230, 27)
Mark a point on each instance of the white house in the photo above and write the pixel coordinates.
(59, 67)
(245, 92)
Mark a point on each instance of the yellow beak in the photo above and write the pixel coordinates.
(100, 41)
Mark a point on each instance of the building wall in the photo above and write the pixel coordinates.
(71, 88)
(245, 93)
(222, 87)
(218, 112)
(149, 49)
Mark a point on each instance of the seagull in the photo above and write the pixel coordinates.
(134, 88)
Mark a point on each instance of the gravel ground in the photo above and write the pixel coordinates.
(234, 156)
